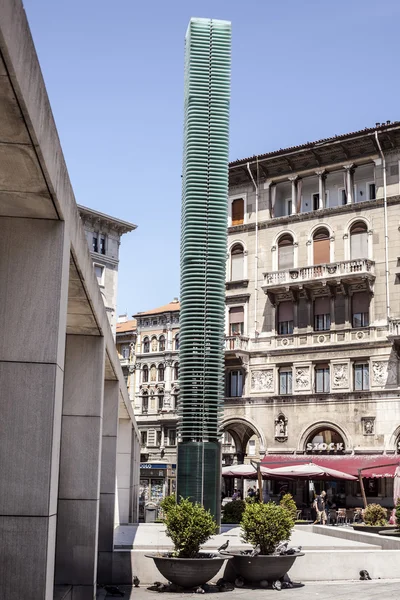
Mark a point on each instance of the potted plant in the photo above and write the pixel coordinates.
(189, 526)
(233, 511)
(396, 531)
(265, 526)
(290, 505)
(375, 520)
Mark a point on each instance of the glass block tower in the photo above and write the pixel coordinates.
(203, 257)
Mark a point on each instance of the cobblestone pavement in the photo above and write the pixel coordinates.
(337, 590)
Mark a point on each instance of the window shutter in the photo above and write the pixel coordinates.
(236, 315)
(322, 306)
(285, 257)
(359, 245)
(302, 313)
(340, 314)
(360, 302)
(238, 211)
(321, 252)
(285, 311)
(237, 267)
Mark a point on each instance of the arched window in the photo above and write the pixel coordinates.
(154, 344)
(146, 344)
(145, 374)
(285, 252)
(321, 246)
(160, 402)
(161, 343)
(153, 373)
(359, 240)
(176, 371)
(237, 263)
(145, 403)
(161, 372)
(325, 441)
(177, 342)
(238, 211)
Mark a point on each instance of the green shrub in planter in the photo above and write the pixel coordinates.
(375, 514)
(233, 511)
(290, 505)
(166, 504)
(266, 525)
(398, 512)
(189, 526)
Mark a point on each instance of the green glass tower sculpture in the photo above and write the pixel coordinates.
(203, 258)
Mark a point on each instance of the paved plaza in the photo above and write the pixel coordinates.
(355, 590)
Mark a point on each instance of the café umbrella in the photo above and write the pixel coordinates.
(310, 471)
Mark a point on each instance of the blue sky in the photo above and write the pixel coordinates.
(301, 70)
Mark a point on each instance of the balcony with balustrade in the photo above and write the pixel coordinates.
(236, 343)
(332, 274)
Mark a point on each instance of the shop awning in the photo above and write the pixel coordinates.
(376, 465)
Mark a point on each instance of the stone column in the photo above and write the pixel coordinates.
(34, 264)
(293, 179)
(349, 170)
(108, 481)
(80, 461)
(321, 187)
(124, 467)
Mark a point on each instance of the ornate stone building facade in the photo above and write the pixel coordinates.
(312, 301)
(103, 234)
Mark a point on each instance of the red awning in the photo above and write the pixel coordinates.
(376, 464)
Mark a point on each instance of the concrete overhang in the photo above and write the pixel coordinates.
(34, 181)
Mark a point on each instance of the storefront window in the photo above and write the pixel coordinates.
(325, 441)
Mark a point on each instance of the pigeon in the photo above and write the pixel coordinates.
(199, 590)
(226, 586)
(281, 548)
(136, 581)
(364, 575)
(224, 546)
(113, 590)
(276, 585)
(239, 582)
(286, 582)
(294, 550)
(256, 551)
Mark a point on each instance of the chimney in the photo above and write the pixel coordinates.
(387, 122)
(377, 124)
(175, 300)
(123, 318)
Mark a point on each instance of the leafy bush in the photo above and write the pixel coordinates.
(166, 504)
(266, 525)
(375, 514)
(397, 508)
(290, 505)
(233, 511)
(189, 525)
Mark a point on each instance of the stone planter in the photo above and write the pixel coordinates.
(303, 523)
(256, 568)
(393, 532)
(188, 572)
(374, 528)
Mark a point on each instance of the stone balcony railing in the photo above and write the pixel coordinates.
(336, 270)
(236, 342)
(394, 327)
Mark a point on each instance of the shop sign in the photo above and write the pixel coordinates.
(152, 466)
(322, 446)
(152, 473)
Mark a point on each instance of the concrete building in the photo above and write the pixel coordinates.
(312, 303)
(103, 234)
(148, 350)
(69, 445)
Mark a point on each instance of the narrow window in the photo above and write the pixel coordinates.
(236, 320)
(177, 342)
(238, 211)
(146, 345)
(158, 438)
(153, 373)
(288, 207)
(343, 197)
(176, 371)
(360, 309)
(322, 384)
(145, 404)
(321, 247)
(322, 314)
(361, 377)
(315, 201)
(161, 344)
(359, 241)
(285, 381)
(161, 373)
(371, 191)
(95, 242)
(171, 437)
(285, 318)
(285, 252)
(143, 438)
(160, 402)
(235, 384)
(145, 374)
(102, 244)
(237, 263)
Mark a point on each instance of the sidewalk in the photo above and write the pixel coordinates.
(337, 590)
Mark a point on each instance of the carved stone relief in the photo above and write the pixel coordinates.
(262, 381)
(368, 425)
(384, 373)
(340, 377)
(302, 378)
